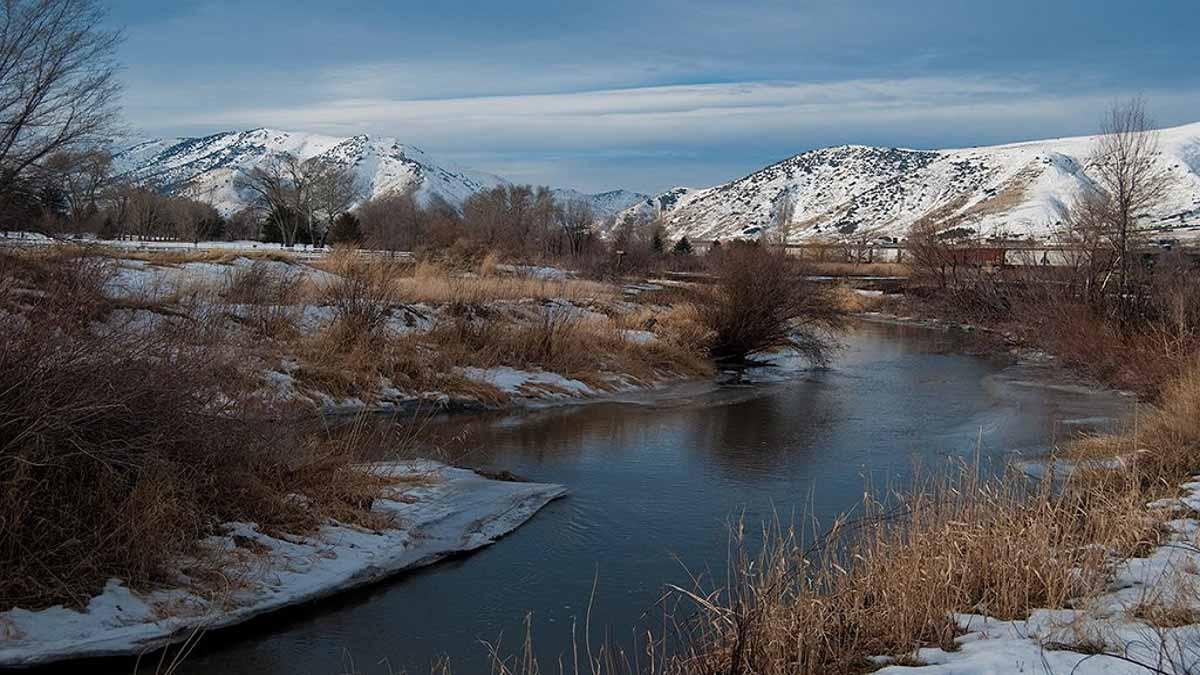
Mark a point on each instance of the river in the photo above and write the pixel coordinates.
(654, 483)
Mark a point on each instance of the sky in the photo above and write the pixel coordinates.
(648, 95)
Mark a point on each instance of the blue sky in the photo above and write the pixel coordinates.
(647, 95)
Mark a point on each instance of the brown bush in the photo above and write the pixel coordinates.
(269, 295)
(122, 444)
(763, 300)
(362, 295)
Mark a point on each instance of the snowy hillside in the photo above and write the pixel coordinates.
(604, 204)
(206, 168)
(1017, 189)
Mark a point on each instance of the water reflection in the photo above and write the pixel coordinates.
(653, 486)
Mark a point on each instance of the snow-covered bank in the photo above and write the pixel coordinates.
(435, 511)
(1147, 621)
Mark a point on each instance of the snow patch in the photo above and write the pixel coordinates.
(444, 511)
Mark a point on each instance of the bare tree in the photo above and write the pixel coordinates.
(576, 220)
(932, 255)
(280, 188)
(81, 175)
(393, 221)
(146, 211)
(334, 189)
(1130, 178)
(193, 220)
(58, 86)
(1089, 250)
(243, 225)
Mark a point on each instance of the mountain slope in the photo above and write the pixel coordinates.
(1019, 189)
(206, 168)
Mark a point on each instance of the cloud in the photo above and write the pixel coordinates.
(631, 115)
(681, 114)
(588, 139)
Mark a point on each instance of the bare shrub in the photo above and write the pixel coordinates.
(362, 295)
(763, 300)
(122, 445)
(268, 292)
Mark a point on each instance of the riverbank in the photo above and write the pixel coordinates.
(162, 403)
(426, 512)
(1091, 568)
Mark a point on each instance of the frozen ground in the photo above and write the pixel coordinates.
(438, 511)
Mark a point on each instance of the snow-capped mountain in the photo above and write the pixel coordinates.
(206, 168)
(1019, 189)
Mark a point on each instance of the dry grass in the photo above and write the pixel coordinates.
(434, 285)
(344, 369)
(437, 284)
(269, 295)
(552, 340)
(889, 583)
(121, 445)
(850, 301)
(488, 322)
(557, 341)
(175, 257)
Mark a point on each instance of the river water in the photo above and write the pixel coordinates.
(654, 485)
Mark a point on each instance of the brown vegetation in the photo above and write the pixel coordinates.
(122, 445)
(763, 300)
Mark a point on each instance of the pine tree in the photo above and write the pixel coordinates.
(682, 247)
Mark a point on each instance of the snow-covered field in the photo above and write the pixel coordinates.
(435, 511)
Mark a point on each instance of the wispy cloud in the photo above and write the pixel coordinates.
(660, 113)
(680, 113)
(676, 91)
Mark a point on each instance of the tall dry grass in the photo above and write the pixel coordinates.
(268, 296)
(122, 444)
(434, 284)
(440, 284)
(891, 582)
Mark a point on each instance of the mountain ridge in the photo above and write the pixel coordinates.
(207, 167)
(853, 191)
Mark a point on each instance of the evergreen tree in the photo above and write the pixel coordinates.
(656, 241)
(682, 247)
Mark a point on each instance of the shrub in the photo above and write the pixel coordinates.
(122, 443)
(362, 295)
(268, 292)
(763, 300)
